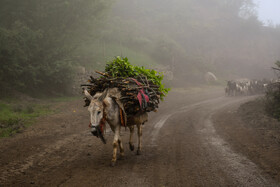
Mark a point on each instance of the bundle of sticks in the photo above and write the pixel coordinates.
(129, 88)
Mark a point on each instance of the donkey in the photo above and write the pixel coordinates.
(104, 108)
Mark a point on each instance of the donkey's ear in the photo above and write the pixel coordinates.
(105, 102)
(104, 94)
(87, 95)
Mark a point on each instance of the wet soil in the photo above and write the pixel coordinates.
(253, 133)
(186, 143)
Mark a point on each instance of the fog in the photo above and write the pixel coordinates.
(268, 11)
(186, 38)
(224, 37)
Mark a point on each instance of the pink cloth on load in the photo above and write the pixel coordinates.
(140, 92)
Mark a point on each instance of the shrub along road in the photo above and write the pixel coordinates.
(181, 147)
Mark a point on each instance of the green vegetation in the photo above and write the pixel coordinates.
(41, 41)
(121, 67)
(64, 99)
(273, 101)
(37, 41)
(15, 117)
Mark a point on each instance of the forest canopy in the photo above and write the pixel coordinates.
(42, 41)
(37, 40)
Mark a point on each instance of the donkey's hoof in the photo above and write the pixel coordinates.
(121, 157)
(139, 152)
(113, 164)
(131, 147)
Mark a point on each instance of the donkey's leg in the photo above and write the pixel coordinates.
(121, 148)
(131, 129)
(139, 126)
(115, 145)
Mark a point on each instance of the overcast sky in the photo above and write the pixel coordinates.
(269, 10)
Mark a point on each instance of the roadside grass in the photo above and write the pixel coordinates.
(17, 115)
(63, 99)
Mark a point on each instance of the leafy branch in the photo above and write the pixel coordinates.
(121, 67)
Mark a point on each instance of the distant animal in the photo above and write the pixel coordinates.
(104, 108)
(244, 87)
(210, 77)
(231, 88)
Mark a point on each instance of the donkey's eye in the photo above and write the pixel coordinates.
(98, 112)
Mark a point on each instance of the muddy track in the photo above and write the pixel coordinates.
(180, 148)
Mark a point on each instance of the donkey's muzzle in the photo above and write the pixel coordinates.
(96, 131)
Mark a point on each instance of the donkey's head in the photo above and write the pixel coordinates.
(96, 110)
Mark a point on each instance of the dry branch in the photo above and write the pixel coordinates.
(129, 90)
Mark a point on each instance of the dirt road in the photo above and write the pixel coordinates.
(181, 147)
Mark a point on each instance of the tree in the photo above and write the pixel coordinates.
(37, 40)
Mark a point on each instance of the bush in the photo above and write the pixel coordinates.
(37, 41)
(272, 105)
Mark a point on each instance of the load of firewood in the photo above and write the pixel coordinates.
(140, 88)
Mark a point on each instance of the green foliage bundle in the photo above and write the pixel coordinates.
(121, 67)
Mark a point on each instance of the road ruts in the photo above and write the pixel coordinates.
(180, 148)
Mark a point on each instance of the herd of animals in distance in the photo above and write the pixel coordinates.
(246, 87)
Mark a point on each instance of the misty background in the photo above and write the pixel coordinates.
(43, 43)
(268, 11)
